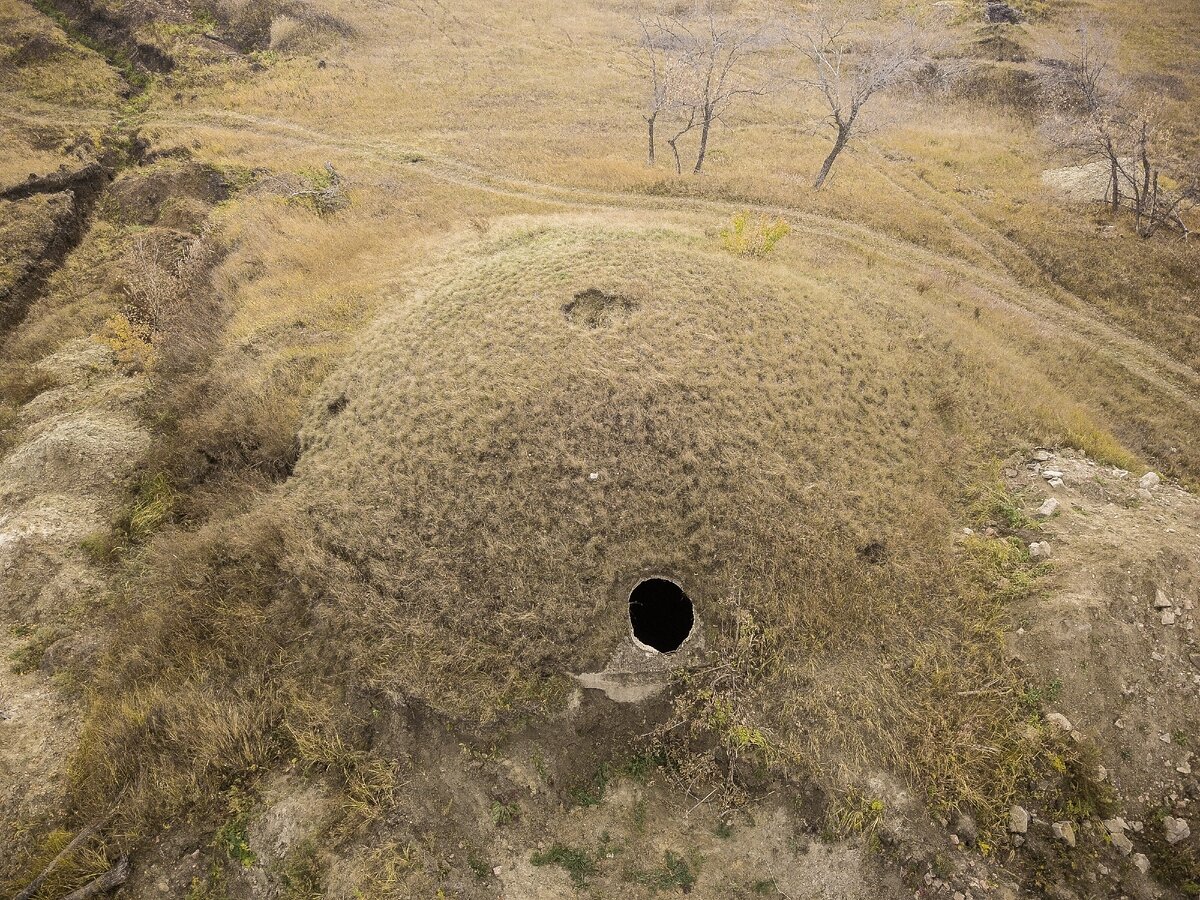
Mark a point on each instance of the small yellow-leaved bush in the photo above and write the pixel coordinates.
(754, 234)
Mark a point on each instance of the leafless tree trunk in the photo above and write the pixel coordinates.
(657, 53)
(694, 63)
(839, 144)
(1100, 116)
(673, 141)
(849, 67)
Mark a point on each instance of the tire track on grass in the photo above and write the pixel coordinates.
(1052, 317)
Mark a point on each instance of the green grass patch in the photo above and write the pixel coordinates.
(575, 861)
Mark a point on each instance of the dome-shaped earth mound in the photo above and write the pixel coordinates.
(573, 409)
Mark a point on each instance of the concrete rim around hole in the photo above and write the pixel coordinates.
(655, 576)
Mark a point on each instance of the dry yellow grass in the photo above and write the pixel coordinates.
(755, 423)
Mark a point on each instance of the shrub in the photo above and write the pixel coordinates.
(754, 235)
(130, 340)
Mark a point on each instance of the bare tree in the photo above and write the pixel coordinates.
(695, 64)
(718, 49)
(1134, 142)
(1099, 115)
(850, 66)
(660, 54)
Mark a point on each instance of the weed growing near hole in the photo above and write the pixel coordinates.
(753, 234)
(231, 837)
(503, 813)
(131, 341)
(994, 504)
(1034, 697)
(854, 812)
(152, 505)
(302, 874)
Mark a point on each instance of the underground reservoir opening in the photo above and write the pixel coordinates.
(661, 614)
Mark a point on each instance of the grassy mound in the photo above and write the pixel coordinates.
(802, 457)
(794, 453)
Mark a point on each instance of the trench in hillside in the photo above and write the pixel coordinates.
(111, 37)
(135, 62)
(84, 186)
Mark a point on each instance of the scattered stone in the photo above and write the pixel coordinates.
(1161, 600)
(1051, 474)
(1042, 456)
(1116, 825)
(1039, 550)
(1047, 509)
(1168, 617)
(497, 870)
(1175, 829)
(1065, 832)
(1059, 721)
(1142, 862)
(1018, 820)
(1122, 843)
(594, 476)
(1056, 482)
(1165, 737)
(1184, 768)
(1149, 481)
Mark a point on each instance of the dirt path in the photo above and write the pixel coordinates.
(1057, 316)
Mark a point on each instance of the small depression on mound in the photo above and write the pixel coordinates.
(594, 308)
(661, 614)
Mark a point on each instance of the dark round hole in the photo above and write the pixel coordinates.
(661, 614)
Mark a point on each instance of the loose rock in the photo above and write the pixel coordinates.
(1059, 721)
(1142, 862)
(1161, 600)
(1047, 509)
(1175, 829)
(1168, 617)
(1018, 820)
(1065, 832)
(1149, 481)
(1039, 550)
(1122, 843)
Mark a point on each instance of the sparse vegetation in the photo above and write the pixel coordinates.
(577, 862)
